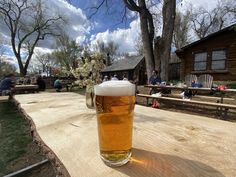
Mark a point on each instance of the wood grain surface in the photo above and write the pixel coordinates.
(165, 144)
(4, 98)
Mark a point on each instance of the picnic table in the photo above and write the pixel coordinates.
(165, 143)
(221, 108)
(25, 88)
(4, 99)
(196, 89)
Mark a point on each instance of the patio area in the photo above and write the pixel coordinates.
(165, 143)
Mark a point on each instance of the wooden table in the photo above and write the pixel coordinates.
(165, 144)
(222, 92)
(25, 88)
(190, 88)
(4, 99)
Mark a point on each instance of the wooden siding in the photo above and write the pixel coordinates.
(174, 71)
(227, 41)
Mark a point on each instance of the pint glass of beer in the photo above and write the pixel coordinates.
(114, 103)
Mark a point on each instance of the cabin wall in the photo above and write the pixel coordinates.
(226, 40)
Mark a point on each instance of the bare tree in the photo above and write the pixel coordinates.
(206, 21)
(181, 29)
(224, 13)
(43, 59)
(107, 48)
(67, 53)
(202, 21)
(163, 43)
(147, 32)
(27, 24)
(139, 45)
(6, 68)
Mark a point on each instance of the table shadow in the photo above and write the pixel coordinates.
(150, 164)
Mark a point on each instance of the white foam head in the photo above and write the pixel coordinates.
(115, 88)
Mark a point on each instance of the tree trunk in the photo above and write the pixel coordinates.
(164, 44)
(157, 53)
(40, 26)
(20, 64)
(147, 45)
(25, 71)
(147, 33)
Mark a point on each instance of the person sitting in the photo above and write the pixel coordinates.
(154, 79)
(114, 78)
(41, 83)
(124, 78)
(58, 85)
(7, 84)
(105, 78)
(27, 80)
(34, 80)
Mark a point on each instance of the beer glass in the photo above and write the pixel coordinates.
(114, 103)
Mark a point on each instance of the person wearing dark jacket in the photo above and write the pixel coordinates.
(7, 84)
(58, 85)
(154, 79)
(41, 83)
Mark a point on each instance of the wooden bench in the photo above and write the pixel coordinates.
(19, 89)
(213, 98)
(4, 99)
(194, 102)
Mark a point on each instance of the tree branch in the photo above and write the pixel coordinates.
(31, 50)
(131, 5)
(97, 8)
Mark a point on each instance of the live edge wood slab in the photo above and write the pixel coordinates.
(165, 144)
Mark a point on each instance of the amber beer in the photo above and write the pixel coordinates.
(114, 105)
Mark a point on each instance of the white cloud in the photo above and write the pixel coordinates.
(76, 26)
(7, 57)
(125, 38)
(39, 50)
(43, 50)
(208, 5)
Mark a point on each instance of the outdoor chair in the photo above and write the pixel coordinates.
(189, 79)
(205, 80)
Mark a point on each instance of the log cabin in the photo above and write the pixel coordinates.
(215, 55)
(133, 67)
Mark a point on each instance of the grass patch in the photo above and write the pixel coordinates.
(14, 135)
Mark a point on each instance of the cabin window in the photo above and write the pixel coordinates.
(218, 59)
(200, 61)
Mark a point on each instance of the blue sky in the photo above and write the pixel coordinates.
(105, 18)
